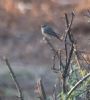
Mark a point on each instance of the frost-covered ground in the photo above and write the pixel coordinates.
(27, 76)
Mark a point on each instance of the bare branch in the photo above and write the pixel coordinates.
(68, 56)
(14, 79)
(68, 33)
(66, 69)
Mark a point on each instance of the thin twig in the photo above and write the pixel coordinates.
(67, 24)
(54, 57)
(68, 33)
(66, 49)
(66, 68)
(77, 84)
(77, 59)
(84, 59)
(68, 57)
(14, 79)
(52, 47)
(61, 63)
(55, 53)
(39, 89)
(54, 93)
(44, 97)
(76, 56)
(67, 21)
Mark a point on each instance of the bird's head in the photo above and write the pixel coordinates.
(44, 25)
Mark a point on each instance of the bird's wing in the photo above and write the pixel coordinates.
(50, 31)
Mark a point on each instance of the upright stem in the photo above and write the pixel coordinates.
(14, 79)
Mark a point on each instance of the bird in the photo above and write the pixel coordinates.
(48, 32)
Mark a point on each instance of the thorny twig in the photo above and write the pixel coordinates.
(14, 79)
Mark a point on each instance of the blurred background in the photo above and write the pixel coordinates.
(22, 43)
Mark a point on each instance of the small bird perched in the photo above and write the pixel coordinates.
(48, 32)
